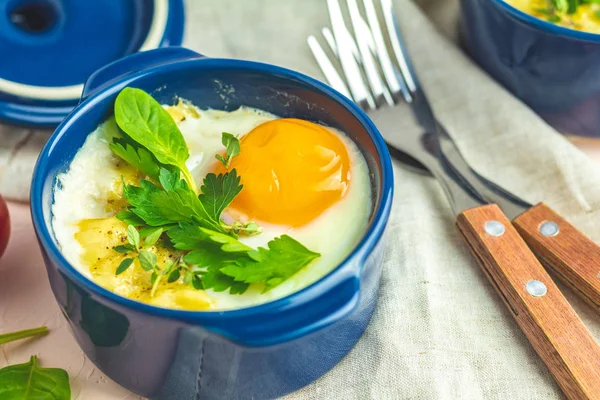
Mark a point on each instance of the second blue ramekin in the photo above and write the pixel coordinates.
(553, 69)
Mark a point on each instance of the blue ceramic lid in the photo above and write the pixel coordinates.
(48, 48)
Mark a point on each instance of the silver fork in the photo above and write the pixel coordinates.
(380, 85)
(390, 82)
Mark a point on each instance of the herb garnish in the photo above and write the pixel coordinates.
(169, 207)
(149, 125)
(232, 149)
(29, 381)
(562, 7)
(10, 337)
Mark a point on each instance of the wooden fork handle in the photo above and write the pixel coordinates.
(551, 325)
(562, 248)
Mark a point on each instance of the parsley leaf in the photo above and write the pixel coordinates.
(157, 207)
(29, 381)
(130, 218)
(284, 257)
(228, 243)
(187, 236)
(209, 256)
(137, 156)
(219, 191)
(145, 121)
(219, 282)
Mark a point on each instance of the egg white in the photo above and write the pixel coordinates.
(81, 193)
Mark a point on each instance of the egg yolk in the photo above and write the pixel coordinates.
(292, 170)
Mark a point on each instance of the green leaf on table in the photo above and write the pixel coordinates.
(145, 121)
(29, 381)
(12, 336)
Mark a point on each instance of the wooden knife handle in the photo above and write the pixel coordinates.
(551, 325)
(562, 248)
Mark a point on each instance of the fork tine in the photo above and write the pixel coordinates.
(392, 76)
(358, 89)
(333, 77)
(330, 40)
(366, 48)
(397, 45)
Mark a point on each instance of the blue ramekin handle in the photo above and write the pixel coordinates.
(135, 63)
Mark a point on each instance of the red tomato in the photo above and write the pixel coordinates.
(4, 225)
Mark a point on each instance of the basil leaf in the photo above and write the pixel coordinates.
(30, 382)
(219, 191)
(145, 121)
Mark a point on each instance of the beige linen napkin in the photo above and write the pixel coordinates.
(440, 331)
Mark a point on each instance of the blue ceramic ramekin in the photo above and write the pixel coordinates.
(259, 352)
(554, 70)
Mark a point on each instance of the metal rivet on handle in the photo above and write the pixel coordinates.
(536, 288)
(549, 228)
(494, 228)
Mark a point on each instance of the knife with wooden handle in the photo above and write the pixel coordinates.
(563, 249)
(549, 322)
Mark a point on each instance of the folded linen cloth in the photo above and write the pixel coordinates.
(439, 331)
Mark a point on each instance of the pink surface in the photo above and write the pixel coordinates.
(26, 301)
